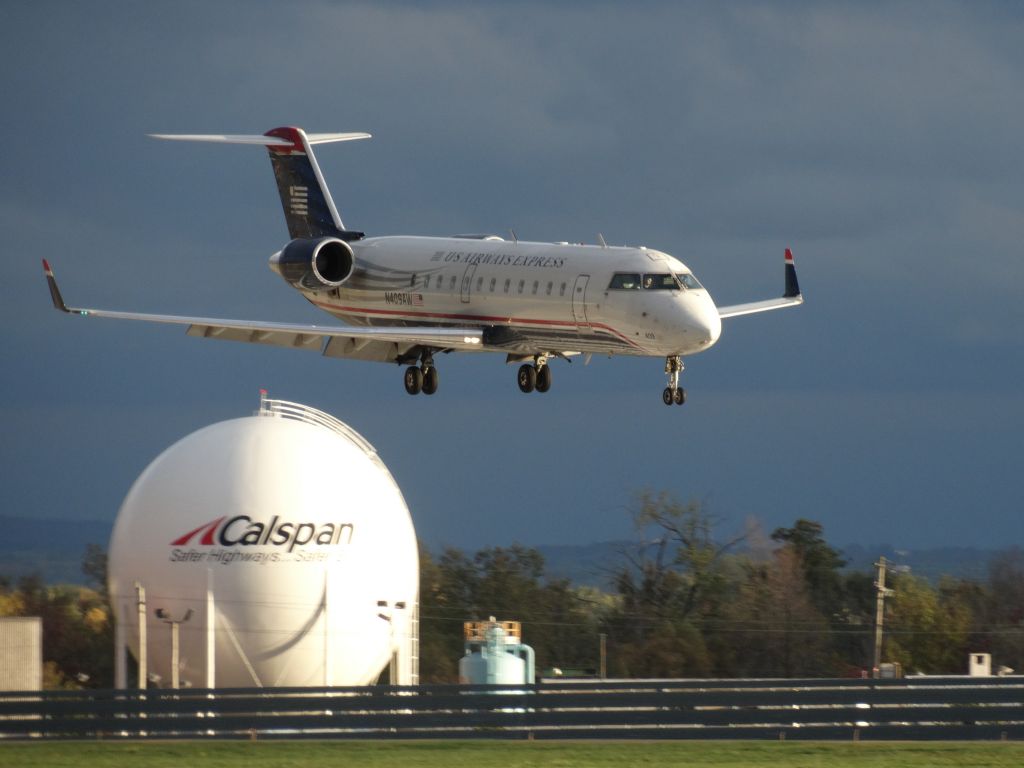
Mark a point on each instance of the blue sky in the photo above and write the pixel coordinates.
(880, 141)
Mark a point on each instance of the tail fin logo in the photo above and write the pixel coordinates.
(298, 197)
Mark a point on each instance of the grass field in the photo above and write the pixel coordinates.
(499, 754)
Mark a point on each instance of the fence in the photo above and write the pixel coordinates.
(914, 708)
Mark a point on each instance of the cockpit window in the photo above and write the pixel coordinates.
(661, 282)
(625, 281)
(690, 281)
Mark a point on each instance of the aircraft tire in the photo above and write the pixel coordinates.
(527, 378)
(679, 396)
(543, 379)
(668, 396)
(413, 380)
(430, 381)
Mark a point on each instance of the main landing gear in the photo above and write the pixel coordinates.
(422, 378)
(536, 376)
(673, 393)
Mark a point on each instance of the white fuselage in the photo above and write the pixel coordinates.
(531, 298)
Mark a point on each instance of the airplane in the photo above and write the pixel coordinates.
(408, 299)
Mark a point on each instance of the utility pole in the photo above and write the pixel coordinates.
(879, 614)
(604, 655)
(140, 599)
(175, 656)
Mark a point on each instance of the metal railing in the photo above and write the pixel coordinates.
(915, 709)
(299, 412)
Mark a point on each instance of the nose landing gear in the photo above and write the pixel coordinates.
(673, 393)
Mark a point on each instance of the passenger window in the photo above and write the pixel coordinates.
(426, 282)
(550, 284)
(412, 280)
(508, 282)
(535, 284)
(493, 281)
(451, 283)
(561, 291)
(479, 283)
(521, 284)
(624, 281)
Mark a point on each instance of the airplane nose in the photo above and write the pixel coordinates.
(708, 325)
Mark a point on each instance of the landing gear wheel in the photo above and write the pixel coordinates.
(679, 396)
(413, 380)
(543, 379)
(430, 381)
(668, 396)
(527, 378)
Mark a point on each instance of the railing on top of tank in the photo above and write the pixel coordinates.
(299, 412)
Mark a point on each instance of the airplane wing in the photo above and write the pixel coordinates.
(790, 298)
(377, 343)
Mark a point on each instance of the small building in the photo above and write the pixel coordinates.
(21, 653)
(979, 665)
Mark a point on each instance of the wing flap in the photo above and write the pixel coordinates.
(258, 336)
(365, 349)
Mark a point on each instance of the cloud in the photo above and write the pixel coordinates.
(880, 141)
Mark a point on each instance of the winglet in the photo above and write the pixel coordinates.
(792, 286)
(58, 300)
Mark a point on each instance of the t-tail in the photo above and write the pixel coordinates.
(308, 207)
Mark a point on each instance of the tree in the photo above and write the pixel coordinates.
(674, 581)
(1000, 622)
(821, 564)
(928, 628)
(77, 632)
(773, 628)
(94, 568)
(508, 583)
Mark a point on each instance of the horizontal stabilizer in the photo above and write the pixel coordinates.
(259, 139)
(309, 210)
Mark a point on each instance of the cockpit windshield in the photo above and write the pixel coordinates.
(689, 281)
(660, 282)
(625, 281)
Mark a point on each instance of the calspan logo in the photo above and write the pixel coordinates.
(243, 531)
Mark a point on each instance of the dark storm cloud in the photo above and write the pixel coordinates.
(880, 141)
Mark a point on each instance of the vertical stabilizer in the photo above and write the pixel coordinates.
(308, 208)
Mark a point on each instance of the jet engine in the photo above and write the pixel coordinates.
(314, 264)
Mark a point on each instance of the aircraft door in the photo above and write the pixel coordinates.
(579, 301)
(467, 282)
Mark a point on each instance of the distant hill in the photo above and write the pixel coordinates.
(595, 564)
(54, 548)
(932, 564)
(50, 548)
(591, 565)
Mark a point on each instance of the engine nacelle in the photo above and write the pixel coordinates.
(314, 264)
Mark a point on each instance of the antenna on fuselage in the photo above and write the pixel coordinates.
(515, 238)
(600, 239)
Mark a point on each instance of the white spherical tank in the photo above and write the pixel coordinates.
(282, 546)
